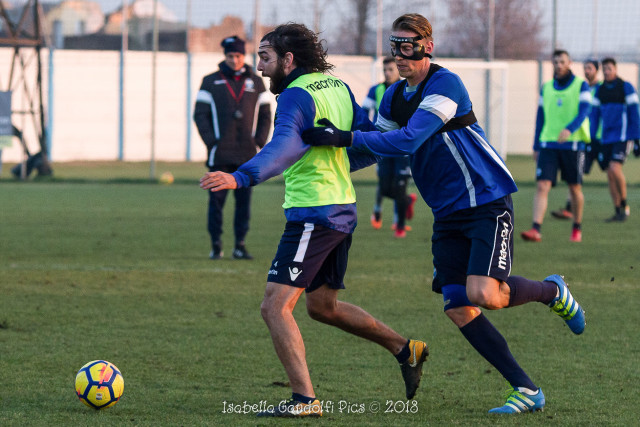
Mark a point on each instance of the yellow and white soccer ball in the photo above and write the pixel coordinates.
(99, 384)
(166, 178)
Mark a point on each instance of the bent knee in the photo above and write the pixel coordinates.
(321, 313)
(484, 298)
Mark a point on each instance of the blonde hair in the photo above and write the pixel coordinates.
(414, 22)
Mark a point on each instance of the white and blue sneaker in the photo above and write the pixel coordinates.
(521, 400)
(565, 306)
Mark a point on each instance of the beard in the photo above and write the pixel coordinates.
(276, 79)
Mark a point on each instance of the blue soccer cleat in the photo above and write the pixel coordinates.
(519, 401)
(565, 306)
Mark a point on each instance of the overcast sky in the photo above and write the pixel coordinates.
(617, 30)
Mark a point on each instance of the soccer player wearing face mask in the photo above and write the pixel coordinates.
(468, 187)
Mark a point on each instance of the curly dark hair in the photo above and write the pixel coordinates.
(307, 50)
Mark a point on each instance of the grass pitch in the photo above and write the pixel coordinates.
(101, 263)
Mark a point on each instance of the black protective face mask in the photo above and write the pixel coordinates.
(417, 50)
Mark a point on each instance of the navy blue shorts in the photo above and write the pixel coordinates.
(614, 152)
(570, 163)
(309, 256)
(476, 241)
(591, 153)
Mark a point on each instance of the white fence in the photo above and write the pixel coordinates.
(85, 105)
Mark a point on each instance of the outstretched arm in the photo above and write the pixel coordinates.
(294, 113)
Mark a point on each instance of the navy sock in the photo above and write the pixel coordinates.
(404, 353)
(523, 290)
(537, 226)
(302, 398)
(491, 345)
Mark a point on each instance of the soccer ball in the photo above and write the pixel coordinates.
(166, 178)
(99, 384)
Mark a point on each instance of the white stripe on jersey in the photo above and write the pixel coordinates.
(385, 125)
(439, 105)
(264, 98)
(595, 102)
(586, 97)
(623, 131)
(463, 167)
(207, 98)
(369, 104)
(489, 150)
(304, 242)
(632, 98)
(212, 156)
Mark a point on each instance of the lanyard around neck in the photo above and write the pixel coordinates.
(235, 97)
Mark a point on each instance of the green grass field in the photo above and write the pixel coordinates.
(101, 263)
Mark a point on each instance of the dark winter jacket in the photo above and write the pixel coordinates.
(233, 115)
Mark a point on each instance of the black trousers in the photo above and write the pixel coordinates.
(242, 211)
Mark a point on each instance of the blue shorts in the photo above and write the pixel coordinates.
(591, 153)
(476, 241)
(614, 152)
(570, 163)
(309, 256)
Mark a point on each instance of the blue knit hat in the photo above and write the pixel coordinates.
(233, 44)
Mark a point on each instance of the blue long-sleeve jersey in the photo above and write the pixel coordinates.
(453, 170)
(616, 110)
(584, 110)
(295, 113)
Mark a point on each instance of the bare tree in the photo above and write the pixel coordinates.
(354, 33)
(362, 9)
(518, 30)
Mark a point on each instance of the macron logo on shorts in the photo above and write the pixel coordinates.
(504, 246)
(294, 273)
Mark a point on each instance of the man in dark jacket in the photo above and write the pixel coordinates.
(233, 116)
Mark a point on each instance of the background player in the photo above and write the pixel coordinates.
(562, 130)
(590, 68)
(394, 173)
(616, 112)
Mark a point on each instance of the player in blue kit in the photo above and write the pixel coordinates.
(615, 108)
(394, 173)
(468, 187)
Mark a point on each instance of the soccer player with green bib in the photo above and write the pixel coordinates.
(320, 208)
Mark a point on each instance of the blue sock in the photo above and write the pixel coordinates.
(523, 290)
(491, 345)
(302, 398)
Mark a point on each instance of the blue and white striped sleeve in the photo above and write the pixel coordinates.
(435, 109)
